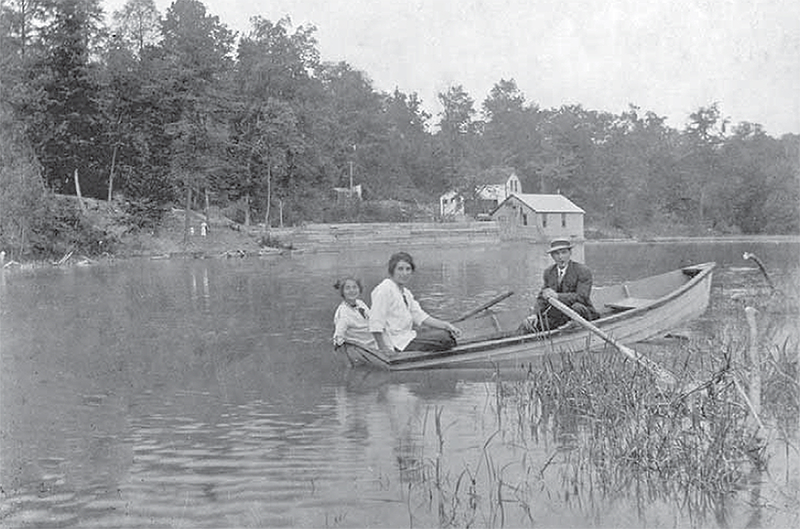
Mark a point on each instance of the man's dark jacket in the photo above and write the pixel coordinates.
(576, 286)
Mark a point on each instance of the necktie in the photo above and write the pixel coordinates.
(561, 272)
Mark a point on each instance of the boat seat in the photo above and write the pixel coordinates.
(628, 303)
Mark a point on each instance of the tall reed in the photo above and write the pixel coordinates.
(615, 437)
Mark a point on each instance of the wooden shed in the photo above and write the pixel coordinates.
(539, 217)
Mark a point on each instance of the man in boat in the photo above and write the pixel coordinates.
(570, 282)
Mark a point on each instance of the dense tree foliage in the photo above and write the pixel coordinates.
(175, 107)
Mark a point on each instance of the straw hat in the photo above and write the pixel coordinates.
(560, 244)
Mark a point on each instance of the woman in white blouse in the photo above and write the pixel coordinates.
(395, 312)
(351, 320)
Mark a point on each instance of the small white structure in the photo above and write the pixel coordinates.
(539, 217)
(451, 204)
(494, 185)
(344, 194)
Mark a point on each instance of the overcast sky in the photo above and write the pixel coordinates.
(668, 56)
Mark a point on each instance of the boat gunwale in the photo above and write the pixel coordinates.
(406, 357)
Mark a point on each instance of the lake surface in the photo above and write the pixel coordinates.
(205, 393)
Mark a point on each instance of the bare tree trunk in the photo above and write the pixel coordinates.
(78, 192)
(269, 195)
(22, 241)
(111, 174)
(186, 215)
(206, 207)
(247, 195)
(280, 205)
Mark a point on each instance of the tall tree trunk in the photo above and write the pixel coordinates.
(269, 195)
(206, 207)
(247, 194)
(78, 192)
(186, 215)
(111, 174)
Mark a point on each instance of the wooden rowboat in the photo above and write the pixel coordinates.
(629, 312)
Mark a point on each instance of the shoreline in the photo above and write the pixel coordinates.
(705, 239)
(342, 246)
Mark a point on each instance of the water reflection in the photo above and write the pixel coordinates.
(206, 304)
(204, 393)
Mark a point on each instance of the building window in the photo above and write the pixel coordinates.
(544, 220)
(563, 220)
(524, 219)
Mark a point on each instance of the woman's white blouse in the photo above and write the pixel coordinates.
(394, 313)
(349, 324)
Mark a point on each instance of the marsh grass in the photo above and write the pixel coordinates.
(616, 437)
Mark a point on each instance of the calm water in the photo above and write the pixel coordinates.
(205, 394)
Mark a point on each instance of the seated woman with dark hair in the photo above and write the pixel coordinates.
(351, 320)
(395, 312)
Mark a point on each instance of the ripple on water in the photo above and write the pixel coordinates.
(40, 518)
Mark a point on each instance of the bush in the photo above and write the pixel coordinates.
(61, 229)
(143, 214)
(270, 241)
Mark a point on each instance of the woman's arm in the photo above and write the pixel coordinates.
(436, 323)
(381, 342)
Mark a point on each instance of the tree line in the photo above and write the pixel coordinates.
(177, 108)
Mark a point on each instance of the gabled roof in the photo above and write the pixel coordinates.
(495, 176)
(544, 203)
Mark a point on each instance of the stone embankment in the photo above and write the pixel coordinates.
(333, 236)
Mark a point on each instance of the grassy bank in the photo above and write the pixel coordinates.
(101, 230)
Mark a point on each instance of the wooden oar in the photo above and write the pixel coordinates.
(663, 375)
(488, 304)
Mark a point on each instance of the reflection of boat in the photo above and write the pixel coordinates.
(629, 312)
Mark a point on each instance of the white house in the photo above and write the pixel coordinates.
(494, 186)
(539, 217)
